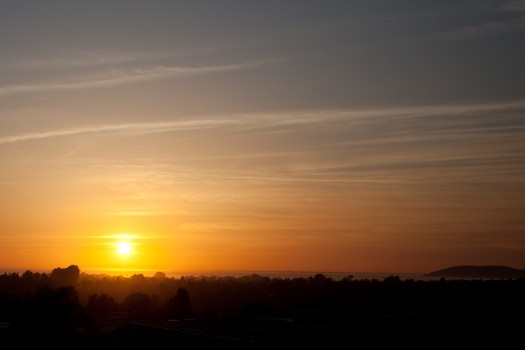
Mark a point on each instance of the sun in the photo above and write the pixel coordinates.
(124, 248)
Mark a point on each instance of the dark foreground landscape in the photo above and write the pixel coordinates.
(69, 309)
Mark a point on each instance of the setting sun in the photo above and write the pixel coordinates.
(124, 248)
(344, 139)
(261, 173)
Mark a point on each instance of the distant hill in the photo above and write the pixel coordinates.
(470, 271)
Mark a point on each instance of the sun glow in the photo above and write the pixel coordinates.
(124, 248)
(124, 253)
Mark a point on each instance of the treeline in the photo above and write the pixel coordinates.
(67, 300)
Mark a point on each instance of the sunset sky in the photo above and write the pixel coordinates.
(320, 136)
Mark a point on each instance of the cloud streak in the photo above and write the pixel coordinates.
(144, 127)
(487, 28)
(116, 77)
(280, 120)
(83, 59)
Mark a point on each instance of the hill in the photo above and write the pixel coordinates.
(471, 271)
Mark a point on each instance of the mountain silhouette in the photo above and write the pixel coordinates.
(473, 271)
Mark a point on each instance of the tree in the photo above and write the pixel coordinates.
(160, 275)
(180, 306)
(137, 303)
(50, 312)
(65, 277)
(101, 305)
(28, 279)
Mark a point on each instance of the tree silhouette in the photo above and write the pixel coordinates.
(180, 306)
(160, 275)
(65, 277)
(101, 304)
(50, 314)
(137, 303)
(322, 311)
(8, 306)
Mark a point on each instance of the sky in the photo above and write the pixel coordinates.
(377, 136)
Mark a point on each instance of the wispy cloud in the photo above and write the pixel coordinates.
(79, 59)
(82, 59)
(513, 6)
(281, 119)
(122, 77)
(452, 33)
(144, 127)
(487, 28)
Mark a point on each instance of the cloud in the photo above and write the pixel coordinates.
(487, 28)
(280, 120)
(75, 59)
(122, 77)
(513, 6)
(82, 59)
(143, 127)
